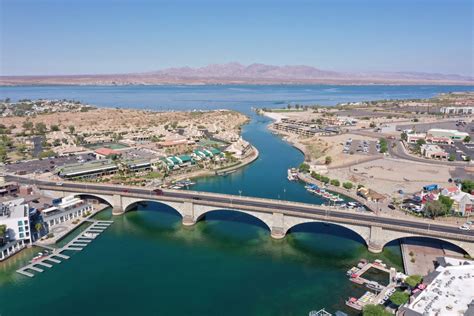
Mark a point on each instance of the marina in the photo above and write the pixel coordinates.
(378, 293)
(314, 189)
(54, 255)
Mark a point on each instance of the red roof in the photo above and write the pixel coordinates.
(106, 151)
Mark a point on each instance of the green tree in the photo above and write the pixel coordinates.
(40, 128)
(328, 160)
(434, 209)
(447, 201)
(399, 298)
(38, 227)
(304, 167)
(3, 153)
(375, 310)
(348, 185)
(325, 179)
(467, 139)
(28, 125)
(55, 128)
(335, 182)
(467, 186)
(72, 129)
(383, 145)
(451, 157)
(413, 280)
(46, 153)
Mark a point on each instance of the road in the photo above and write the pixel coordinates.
(269, 204)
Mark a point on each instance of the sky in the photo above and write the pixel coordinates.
(49, 37)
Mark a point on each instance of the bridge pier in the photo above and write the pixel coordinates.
(188, 214)
(277, 230)
(117, 208)
(375, 243)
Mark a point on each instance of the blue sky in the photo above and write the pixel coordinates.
(117, 36)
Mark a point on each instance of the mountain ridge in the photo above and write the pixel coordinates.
(235, 73)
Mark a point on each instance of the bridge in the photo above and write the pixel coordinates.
(279, 216)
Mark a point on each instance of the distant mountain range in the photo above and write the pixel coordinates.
(236, 73)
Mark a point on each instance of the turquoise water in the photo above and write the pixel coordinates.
(148, 263)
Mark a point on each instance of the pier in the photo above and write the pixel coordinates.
(384, 292)
(56, 255)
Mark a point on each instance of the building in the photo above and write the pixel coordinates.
(433, 151)
(447, 133)
(65, 209)
(463, 203)
(413, 137)
(104, 153)
(448, 292)
(14, 227)
(8, 188)
(89, 169)
(457, 110)
(370, 195)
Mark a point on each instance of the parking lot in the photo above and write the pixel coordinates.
(361, 147)
(46, 164)
(423, 128)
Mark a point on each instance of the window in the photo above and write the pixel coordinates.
(26, 222)
(22, 235)
(20, 223)
(20, 229)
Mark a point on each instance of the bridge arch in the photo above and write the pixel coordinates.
(362, 234)
(264, 219)
(129, 204)
(459, 246)
(100, 198)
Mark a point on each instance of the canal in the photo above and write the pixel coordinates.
(148, 263)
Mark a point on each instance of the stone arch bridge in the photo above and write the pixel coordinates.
(279, 216)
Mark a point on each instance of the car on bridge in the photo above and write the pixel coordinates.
(158, 191)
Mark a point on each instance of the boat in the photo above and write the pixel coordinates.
(292, 174)
(374, 286)
(354, 303)
(352, 271)
(380, 263)
(40, 256)
(90, 235)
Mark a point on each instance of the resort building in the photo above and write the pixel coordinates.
(239, 148)
(457, 110)
(447, 133)
(370, 195)
(15, 228)
(8, 188)
(448, 290)
(90, 169)
(433, 152)
(65, 209)
(104, 153)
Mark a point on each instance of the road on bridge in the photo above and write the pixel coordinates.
(269, 204)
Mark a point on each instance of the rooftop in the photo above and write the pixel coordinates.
(450, 292)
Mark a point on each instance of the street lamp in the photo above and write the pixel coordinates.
(240, 193)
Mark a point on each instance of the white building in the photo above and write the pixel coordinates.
(449, 133)
(449, 292)
(457, 110)
(68, 208)
(433, 151)
(14, 215)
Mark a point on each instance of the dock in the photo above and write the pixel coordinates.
(384, 292)
(56, 255)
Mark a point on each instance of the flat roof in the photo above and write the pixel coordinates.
(450, 292)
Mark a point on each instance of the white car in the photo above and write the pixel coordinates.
(464, 227)
(59, 183)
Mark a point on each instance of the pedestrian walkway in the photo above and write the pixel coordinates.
(56, 255)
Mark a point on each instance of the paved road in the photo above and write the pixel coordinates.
(271, 205)
(398, 151)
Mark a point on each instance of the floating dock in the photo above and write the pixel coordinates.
(77, 244)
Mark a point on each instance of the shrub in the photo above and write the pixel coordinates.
(375, 310)
(328, 160)
(399, 298)
(335, 182)
(325, 179)
(348, 185)
(413, 280)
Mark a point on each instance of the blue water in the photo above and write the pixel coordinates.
(148, 263)
(236, 97)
